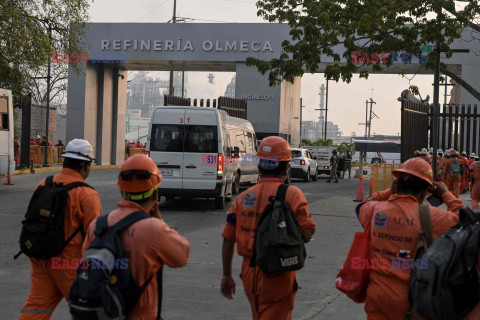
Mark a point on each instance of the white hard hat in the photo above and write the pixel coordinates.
(440, 151)
(464, 153)
(38, 137)
(424, 151)
(79, 149)
(472, 155)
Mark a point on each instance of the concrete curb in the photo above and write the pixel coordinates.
(49, 169)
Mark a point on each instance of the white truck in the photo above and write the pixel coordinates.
(7, 158)
(323, 155)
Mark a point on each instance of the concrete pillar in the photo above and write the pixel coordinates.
(96, 110)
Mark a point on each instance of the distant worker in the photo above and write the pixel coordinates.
(333, 167)
(32, 141)
(470, 161)
(148, 243)
(465, 174)
(16, 150)
(424, 156)
(416, 154)
(475, 172)
(453, 173)
(60, 144)
(395, 229)
(441, 162)
(348, 165)
(38, 140)
(271, 296)
(50, 282)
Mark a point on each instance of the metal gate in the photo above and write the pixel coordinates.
(414, 127)
(459, 127)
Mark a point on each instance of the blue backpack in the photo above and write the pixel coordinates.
(104, 288)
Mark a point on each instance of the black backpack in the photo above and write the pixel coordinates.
(448, 288)
(278, 245)
(104, 288)
(43, 229)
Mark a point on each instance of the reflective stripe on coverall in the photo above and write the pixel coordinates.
(49, 285)
(147, 244)
(453, 183)
(394, 237)
(270, 296)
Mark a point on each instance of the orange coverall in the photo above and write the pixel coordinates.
(470, 184)
(453, 183)
(463, 180)
(49, 285)
(441, 161)
(426, 158)
(394, 234)
(148, 244)
(475, 173)
(271, 296)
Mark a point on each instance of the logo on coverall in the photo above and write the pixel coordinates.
(380, 220)
(249, 200)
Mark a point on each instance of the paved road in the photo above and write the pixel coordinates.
(193, 292)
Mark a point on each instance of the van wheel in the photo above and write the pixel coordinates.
(236, 184)
(306, 178)
(315, 175)
(220, 202)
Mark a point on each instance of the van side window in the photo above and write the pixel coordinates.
(201, 139)
(226, 142)
(250, 145)
(3, 114)
(241, 140)
(167, 138)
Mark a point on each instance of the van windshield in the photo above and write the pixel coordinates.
(167, 138)
(201, 139)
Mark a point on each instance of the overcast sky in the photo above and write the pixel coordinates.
(346, 101)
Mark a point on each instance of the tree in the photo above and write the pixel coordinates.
(306, 142)
(374, 26)
(344, 147)
(323, 142)
(25, 40)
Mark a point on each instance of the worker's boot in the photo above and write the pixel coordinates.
(336, 181)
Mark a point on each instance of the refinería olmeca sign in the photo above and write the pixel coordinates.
(186, 45)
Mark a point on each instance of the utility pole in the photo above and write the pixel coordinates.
(371, 112)
(326, 112)
(47, 147)
(174, 20)
(301, 119)
(322, 108)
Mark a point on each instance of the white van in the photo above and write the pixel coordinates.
(7, 159)
(201, 152)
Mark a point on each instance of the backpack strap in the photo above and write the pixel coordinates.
(129, 220)
(281, 192)
(426, 223)
(77, 184)
(49, 181)
(160, 292)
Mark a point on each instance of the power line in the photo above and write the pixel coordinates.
(207, 20)
(161, 4)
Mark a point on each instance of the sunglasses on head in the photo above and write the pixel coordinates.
(140, 174)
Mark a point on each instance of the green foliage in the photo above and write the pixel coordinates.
(323, 142)
(24, 39)
(306, 142)
(344, 147)
(318, 26)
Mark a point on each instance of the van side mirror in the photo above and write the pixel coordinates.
(236, 151)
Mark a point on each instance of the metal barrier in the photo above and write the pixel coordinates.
(381, 176)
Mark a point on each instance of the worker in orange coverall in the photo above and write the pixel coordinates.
(453, 172)
(441, 162)
(150, 243)
(271, 296)
(425, 156)
(51, 283)
(395, 233)
(475, 173)
(464, 180)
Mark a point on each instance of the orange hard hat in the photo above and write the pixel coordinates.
(453, 153)
(274, 148)
(416, 167)
(138, 178)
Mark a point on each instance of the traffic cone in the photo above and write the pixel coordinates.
(9, 181)
(360, 189)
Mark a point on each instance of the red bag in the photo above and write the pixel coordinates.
(353, 278)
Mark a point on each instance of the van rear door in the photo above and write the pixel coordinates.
(201, 149)
(166, 145)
